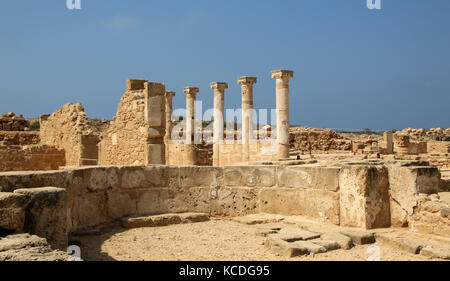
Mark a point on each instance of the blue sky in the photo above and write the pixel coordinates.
(354, 67)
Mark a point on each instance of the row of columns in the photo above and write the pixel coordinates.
(282, 106)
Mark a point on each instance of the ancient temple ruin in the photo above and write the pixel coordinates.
(75, 176)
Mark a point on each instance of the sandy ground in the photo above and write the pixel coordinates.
(215, 240)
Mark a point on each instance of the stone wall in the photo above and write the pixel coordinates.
(19, 138)
(181, 154)
(438, 147)
(30, 158)
(98, 195)
(12, 122)
(40, 211)
(320, 139)
(135, 136)
(366, 194)
(63, 130)
(231, 154)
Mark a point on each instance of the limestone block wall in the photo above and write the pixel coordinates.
(181, 154)
(40, 211)
(135, 136)
(63, 130)
(230, 154)
(31, 158)
(408, 181)
(97, 195)
(438, 147)
(367, 194)
(186, 154)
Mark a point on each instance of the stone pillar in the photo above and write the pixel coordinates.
(168, 97)
(389, 141)
(247, 83)
(155, 108)
(402, 144)
(190, 92)
(219, 96)
(282, 96)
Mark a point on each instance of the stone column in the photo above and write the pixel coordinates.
(389, 140)
(168, 97)
(247, 83)
(401, 144)
(282, 93)
(219, 96)
(190, 92)
(155, 107)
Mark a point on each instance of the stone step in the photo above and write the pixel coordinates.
(296, 234)
(163, 220)
(259, 219)
(359, 237)
(410, 245)
(300, 247)
(416, 245)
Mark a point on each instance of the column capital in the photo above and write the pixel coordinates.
(219, 85)
(170, 94)
(246, 80)
(191, 90)
(281, 73)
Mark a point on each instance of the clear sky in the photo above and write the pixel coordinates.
(354, 67)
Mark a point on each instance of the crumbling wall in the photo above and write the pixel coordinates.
(438, 147)
(19, 138)
(12, 122)
(63, 130)
(300, 139)
(135, 134)
(31, 158)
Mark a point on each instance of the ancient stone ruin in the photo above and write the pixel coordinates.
(298, 191)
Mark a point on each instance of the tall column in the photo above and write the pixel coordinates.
(168, 96)
(282, 93)
(247, 83)
(155, 116)
(389, 140)
(219, 96)
(190, 92)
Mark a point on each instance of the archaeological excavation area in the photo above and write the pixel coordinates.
(148, 185)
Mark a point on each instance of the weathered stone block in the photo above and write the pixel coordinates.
(359, 237)
(135, 84)
(236, 201)
(364, 198)
(89, 209)
(121, 203)
(193, 176)
(309, 177)
(12, 211)
(46, 214)
(149, 177)
(250, 176)
(313, 203)
(405, 183)
(101, 178)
